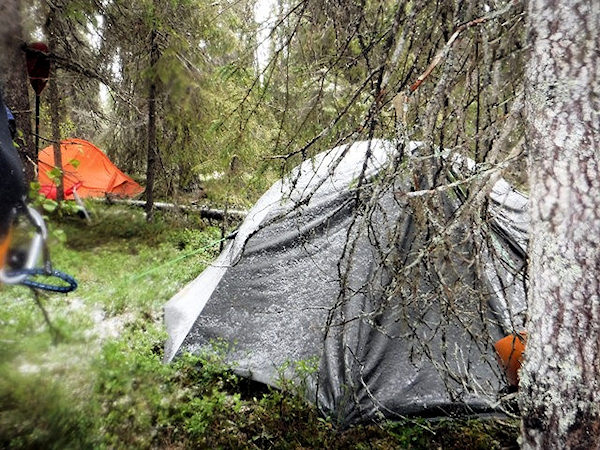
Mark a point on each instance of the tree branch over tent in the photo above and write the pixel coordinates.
(448, 46)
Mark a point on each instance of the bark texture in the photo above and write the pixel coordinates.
(151, 164)
(15, 83)
(55, 106)
(560, 380)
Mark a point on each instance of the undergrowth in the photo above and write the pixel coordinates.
(98, 380)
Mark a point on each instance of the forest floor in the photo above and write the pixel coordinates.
(93, 376)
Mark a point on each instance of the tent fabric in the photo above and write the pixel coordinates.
(306, 279)
(94, 172)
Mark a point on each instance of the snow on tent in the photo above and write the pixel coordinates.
(332, 265)
(86, 168)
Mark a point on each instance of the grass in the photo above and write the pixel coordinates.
(96, 378)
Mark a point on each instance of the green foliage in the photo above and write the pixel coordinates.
(133, 387)
(74, 162)
(455, 434)
(204, 70)
(38, 412)
(49, 206)
(295, 377)
(55, 175)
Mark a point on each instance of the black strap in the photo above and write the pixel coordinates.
(13, 193)
(13, 189)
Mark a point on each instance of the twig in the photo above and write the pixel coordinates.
(491, 171)
(446, 49)
(53, 330)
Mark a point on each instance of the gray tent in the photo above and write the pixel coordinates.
(331, 265)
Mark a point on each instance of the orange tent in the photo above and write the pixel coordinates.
(87, 168)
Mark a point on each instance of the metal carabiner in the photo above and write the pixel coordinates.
(36, 247)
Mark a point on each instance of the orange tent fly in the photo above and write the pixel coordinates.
(86, 168)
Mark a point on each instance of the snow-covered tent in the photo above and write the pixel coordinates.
(316, 273)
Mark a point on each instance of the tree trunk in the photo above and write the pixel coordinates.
(55, 109)
(560, 379)
(15, 84)
(151, 164)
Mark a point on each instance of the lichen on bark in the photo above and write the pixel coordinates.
(560, 379)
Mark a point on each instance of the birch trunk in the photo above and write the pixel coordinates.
(560, 380)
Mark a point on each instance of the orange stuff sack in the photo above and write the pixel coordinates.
(86, 165)
(510, 353)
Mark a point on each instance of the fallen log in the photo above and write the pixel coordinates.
(205, 212)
